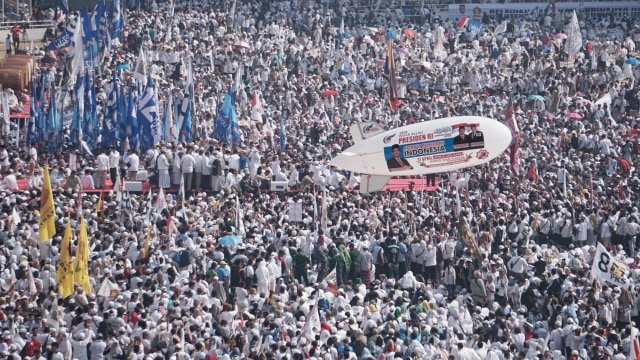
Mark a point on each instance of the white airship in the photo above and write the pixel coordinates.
(436, 146)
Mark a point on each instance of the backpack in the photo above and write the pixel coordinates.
(393, 250)
(184, 258)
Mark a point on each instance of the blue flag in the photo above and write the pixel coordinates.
(78, 111)
(64, 6)
(474, 26)
(283, 136)
(54, 125)
(99, 23)
(147, 117)
(32, 134)
(186, 132)
(225, 119)
(132, 129)
(90, 119)
(64, 39)
(116, 19)
(110, 120)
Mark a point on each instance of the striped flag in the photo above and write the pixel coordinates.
(390, 74)
(512, 150)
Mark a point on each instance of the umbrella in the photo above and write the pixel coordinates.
(122, 67)
(425, 64)
(573, 115)
(583, 101)
(242, 45)
(561, 36)
(546, 115)
(536, 97)
(238, 258)
(633, 61)
(409, 33)
(230, 240)
(329, 93)
(402, 51)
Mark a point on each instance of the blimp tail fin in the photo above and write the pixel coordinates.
(372, 183)
(362, 131)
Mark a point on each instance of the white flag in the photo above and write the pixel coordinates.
(573, 43)
(108, 289)
(312, 326)
(608, 269)
(501, 28)
(161, 203)
(140, 71)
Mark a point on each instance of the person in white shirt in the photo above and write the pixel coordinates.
(114, 163)
(164, 179)
(86, 180)
(207, 161)
(198, 168)
(187, 164)
(102, 164)
(10, 182)
(4, 159)
(133, 165)
(35, 180)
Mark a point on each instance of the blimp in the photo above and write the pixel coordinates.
(436, 146)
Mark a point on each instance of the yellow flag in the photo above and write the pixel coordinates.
(81, 263)
(99, 203)
(147, 243)
(47, 209)
(64, 274)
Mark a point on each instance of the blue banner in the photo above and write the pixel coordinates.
(132, 128)
(186, 132)
(64, 39)
(115, 19)
(90, 120)
(226, 120)
(474, 26)
(147, 117)
(110, 120)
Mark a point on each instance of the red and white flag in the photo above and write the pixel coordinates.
(512, 150)
(256, 108)
(463, 21)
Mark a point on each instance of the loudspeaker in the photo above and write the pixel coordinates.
(132, 186)
(279, 185)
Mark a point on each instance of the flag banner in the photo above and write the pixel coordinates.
(47, 209)
(474, 26)
(502, 28)
(390, 74)
(108, 289)
(116, 20)
(132, 129)
(81, 263)
(89, 122)
(227, 117)
(608, 269)
(63, 40)
(110, 120)
(313, 325)
(573, 43)
(148, 117)
(64, 273)
(511, 122)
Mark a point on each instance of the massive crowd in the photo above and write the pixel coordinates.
(503, 273)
